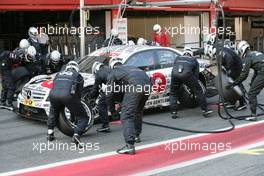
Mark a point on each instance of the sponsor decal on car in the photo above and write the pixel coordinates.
(29, 102)
(159, 81)
(48, 84)
(110, 54)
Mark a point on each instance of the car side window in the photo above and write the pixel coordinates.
(144, 60)
(166, 58)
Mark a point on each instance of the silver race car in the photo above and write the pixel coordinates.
(33, 101)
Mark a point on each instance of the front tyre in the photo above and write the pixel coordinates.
(66, 121)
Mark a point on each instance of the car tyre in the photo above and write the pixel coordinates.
(187, 98)
(66, 122)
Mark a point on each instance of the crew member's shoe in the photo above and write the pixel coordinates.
(241, 107)
(137, 139)
(76, 140)
(230, 106)
(253, 117)
(50, 137)
(174, 115)
(207, 112)
(104, 128)
(127, 149)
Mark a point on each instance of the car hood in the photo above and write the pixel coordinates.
(44, 82)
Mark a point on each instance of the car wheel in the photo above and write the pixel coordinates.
(187, 98)
(66, 122)
(92, 102)
(229, 95)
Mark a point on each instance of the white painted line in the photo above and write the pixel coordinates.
(199, 160)
(60, 163)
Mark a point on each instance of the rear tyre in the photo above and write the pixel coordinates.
(229, 95)
(187, 98)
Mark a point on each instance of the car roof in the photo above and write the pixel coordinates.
(124, 51)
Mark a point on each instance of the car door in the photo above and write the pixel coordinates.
(147, 61)
(161, 76)
(158, 65)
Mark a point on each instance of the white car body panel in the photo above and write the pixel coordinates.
(37, 91)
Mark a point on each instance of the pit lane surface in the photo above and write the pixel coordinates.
(19, 137)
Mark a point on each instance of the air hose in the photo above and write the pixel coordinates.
(219, 63)
(229, 116)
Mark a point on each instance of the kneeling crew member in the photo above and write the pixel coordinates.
(254, 60)
(186, 71)
(101, 73)
(133, 101)
(66, 91)
(233, 65)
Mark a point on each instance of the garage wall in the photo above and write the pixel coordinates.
(250, 33)
(192, 37)
(140, 25)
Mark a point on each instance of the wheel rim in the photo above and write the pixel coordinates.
(188, 90)
(71, 120)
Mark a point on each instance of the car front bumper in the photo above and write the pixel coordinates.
(38, 111)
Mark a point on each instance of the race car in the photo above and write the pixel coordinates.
(33, 101)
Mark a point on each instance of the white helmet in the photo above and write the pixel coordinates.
(187, 51)
(211, 51)
(30, 53)
(141, 41)
(72, 65)
(242, 47)
(113, 64)
(114, 32)
(211, 39)
(23, 44)
(96, 67)
(131, 43)
(55, 57)
(157, 28)
(33, 33)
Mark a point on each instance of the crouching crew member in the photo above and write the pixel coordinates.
(66, 91)
(7, 59)
(52, 63)
(130, 79)
(254, 60)
(101, 73)
(186, 71)
(113, 39)
(232, 63)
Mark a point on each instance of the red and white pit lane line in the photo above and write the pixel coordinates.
(157, 157)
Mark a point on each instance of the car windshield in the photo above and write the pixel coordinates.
(86, 62)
